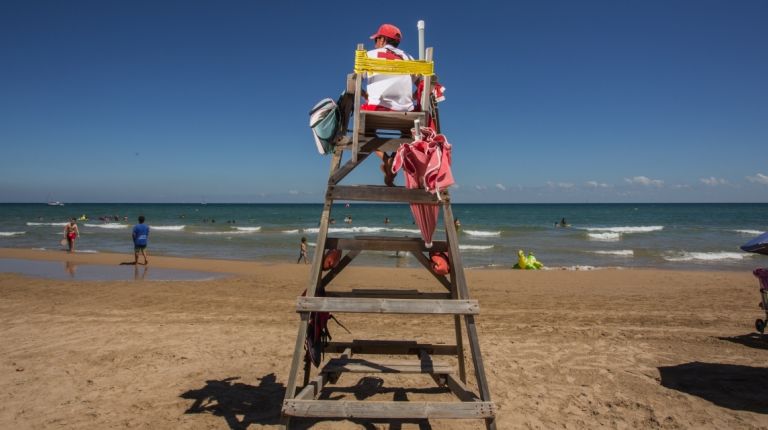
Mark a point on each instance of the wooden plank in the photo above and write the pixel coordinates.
(350, 165)
(385, 243)
(403, 410)
(387, 306)
(359, 365)
(390, 347)
(400, 121)
(459, 389)
(381, 193)
(391, 294)
(356, 114)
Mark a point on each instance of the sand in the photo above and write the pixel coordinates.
(562, 349)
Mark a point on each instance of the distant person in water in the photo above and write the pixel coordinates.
(71, 233)
(563, 223)
(457, 224)
(303, 251)
(140, 240)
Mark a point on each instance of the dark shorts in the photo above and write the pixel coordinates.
(139, 247)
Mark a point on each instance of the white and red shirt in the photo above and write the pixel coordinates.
(393, 92)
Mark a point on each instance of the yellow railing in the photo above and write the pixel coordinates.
(395, 67)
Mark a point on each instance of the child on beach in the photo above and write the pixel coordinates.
(70, 234)
(303, 251)
(140, 239)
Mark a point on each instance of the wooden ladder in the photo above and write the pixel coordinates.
(359, 356)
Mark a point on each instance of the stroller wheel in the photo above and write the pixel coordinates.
(760, 325)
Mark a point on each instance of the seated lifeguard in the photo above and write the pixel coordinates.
(387, 92)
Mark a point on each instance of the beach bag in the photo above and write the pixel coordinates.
(324, 119)
(318, 334)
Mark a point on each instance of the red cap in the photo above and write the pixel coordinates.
(388, 30)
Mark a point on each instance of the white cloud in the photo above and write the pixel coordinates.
(480, 187)
(645, 181)
(595, 184)
(713, 182)
(759, 178)
(293, 192)
(501, 187)
(565, 185)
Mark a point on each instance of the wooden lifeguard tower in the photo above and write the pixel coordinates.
(371, 131)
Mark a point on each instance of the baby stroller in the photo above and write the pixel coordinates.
(760, 246)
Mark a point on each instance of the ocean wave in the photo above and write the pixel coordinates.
(167, 227)
(749, 232)
(404, 230)
(12, 233)
(58, 224)
(475, 247)
(618, 252)
(606, 237)
(222, 233)
(290, 231)
(346, 229)
(109, 225)
(249, 229)
(707, 256)
(639, 229)
(86, 251)
(482, 233)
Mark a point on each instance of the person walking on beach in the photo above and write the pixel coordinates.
(303, 251)
(71, 233)
(140, 240)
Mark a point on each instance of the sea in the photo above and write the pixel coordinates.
(662, 236)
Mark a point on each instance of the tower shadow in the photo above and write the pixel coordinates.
(226, 398)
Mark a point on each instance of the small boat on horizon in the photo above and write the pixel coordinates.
(55, 203)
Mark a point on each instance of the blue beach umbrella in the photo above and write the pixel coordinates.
(758, 244)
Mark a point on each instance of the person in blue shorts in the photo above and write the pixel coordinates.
(140, 239)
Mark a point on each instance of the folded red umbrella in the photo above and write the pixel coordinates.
(427, 165)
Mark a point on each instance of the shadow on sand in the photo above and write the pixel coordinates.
(752, 340)
(262, 404)
(229, 399)
(731, 386)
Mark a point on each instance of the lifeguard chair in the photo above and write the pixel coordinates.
(371, 131)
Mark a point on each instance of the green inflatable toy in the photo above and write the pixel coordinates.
(527, 263)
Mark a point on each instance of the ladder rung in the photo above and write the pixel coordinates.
(388, 294)
(390, 347)
(381, 193)
(403, 410)
(358, 365)
(387, 306)
(385, 243)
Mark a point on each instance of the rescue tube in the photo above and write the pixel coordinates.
(440, 263)
(331, 259)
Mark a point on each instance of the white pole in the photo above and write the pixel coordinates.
(420, 26)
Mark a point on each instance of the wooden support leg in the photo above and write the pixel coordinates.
(461, 283)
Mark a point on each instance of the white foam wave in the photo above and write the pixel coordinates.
(167, 227)
(618, 252)
(481, 233)
(59, 224)
(750, 232)
(706, 256)
(475, 247)
(405, 230)
(109, 225)
(86, 251)
(639, 229)
(222, 233)
(12, 233)
(290, 231)
(607, 237)
(346, 230)
(248, 229)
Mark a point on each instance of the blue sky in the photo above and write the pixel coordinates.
(547, 101)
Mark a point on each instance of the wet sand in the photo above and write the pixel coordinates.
(562, 349)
